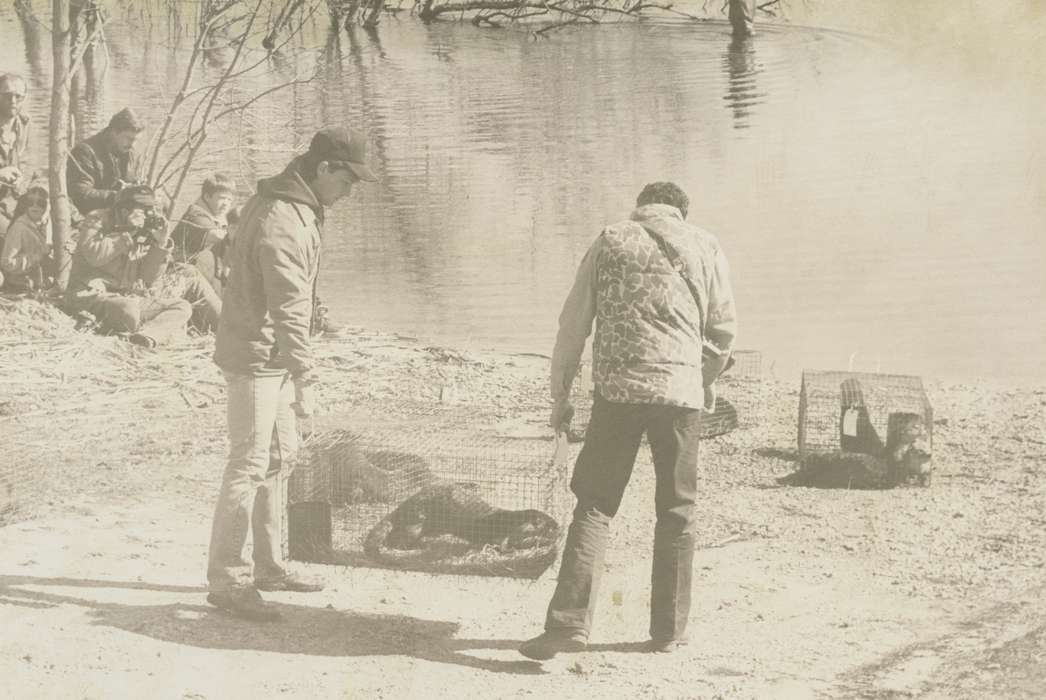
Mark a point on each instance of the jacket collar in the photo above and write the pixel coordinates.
(290, 186)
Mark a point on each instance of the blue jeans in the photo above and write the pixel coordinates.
(600, 476)
(262, 442)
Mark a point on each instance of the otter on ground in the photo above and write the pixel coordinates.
(899, 462)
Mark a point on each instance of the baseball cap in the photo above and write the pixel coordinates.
(341, 145)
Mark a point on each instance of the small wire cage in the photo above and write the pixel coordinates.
(852, 411)
(423, 489)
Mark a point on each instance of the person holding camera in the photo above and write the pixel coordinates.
(121, 254)
(100, 166)
(263, 348)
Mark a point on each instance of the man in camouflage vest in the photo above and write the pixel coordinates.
(659, 292)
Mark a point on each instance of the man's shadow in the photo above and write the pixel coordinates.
(304, 630)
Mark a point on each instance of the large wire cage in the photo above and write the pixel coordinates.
(857, 411)
(424, 489)
(740, 401)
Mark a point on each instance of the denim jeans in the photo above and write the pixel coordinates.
(262, 442)
(600, 476)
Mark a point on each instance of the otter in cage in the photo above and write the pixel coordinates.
(451, 523)
(901, 461)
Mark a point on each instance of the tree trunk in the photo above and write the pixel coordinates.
(58, 145)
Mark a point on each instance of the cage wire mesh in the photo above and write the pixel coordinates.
(851, 411)
(424, 487)
(740, 399)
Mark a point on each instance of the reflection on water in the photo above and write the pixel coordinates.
(867, 202)
(741, 68)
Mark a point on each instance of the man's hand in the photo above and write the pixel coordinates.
(304, 395)
(710, 396)
(161, 234)
(562, 414)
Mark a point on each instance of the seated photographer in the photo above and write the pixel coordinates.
(118, 273)
(26, 249)
(202, 235)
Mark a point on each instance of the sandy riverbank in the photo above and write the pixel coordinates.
(114, 455)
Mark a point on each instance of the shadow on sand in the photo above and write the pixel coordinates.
(304, 630)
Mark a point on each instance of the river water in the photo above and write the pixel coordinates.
(881, 206)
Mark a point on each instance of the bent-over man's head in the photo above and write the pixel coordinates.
(336, 159)
(13, 90)
(664, 193)
(124, 128)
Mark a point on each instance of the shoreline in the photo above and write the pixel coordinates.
(116, 454)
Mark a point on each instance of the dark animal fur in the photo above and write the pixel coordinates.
(452, 516)
(898, 462)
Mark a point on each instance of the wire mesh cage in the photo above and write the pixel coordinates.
(860, 412)
(425, 490)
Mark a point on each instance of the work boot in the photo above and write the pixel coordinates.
(666, 646)
(288, 582)
(244, 602)
(551, 642)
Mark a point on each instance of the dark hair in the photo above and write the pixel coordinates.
(34, 193)
(310, 161)
(217, 182)
(664, 193)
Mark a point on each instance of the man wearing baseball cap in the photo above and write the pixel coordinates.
(263, 349)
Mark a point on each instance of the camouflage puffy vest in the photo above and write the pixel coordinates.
(647, 346)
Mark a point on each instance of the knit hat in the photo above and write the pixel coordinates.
(126, 120)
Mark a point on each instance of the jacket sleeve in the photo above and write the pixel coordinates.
(288, 291)
(12, 259)
(98, 246)
(154, 262)
(721, 327)
(80, 181)
(575, 324)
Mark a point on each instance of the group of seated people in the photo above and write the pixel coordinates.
(136, 275)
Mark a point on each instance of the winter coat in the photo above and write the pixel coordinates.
(197, 231)
(105, 262)
(651, 329)
(93, 169)
(268, 298)
(25, 246)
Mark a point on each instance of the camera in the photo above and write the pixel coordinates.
(145, 236)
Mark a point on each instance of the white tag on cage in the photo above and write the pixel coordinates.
(850, 422)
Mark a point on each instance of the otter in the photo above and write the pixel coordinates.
(899, 462)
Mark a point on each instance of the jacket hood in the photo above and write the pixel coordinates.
(291, 187)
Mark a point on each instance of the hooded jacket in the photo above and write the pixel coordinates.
(267, 304)
(92, 170)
